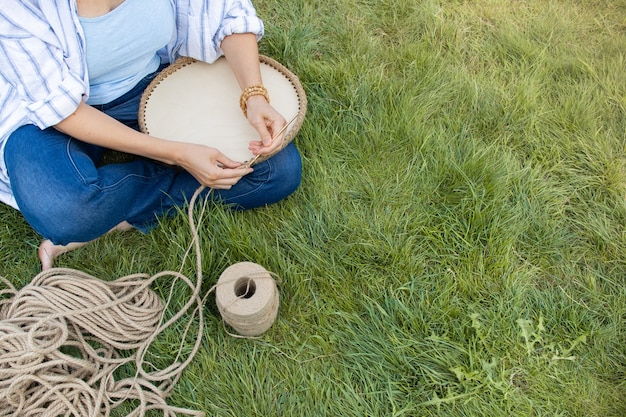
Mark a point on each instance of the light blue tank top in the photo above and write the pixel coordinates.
(122, 46)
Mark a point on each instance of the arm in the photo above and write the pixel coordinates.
(242, 54)
(209, 166)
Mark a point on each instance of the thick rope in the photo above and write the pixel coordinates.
(61, 337)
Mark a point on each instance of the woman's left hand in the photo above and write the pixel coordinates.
(268, 122)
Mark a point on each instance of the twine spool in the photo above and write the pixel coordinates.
(247, 298)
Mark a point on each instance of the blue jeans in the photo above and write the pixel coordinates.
(66, 196)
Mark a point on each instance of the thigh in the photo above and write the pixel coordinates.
(40, 165)
(45, 168)
(67, 198)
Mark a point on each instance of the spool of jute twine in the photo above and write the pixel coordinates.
(247, 298)
(63, 336)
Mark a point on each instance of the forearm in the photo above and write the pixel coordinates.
(209, 166)
(241, 52)
(92, 126)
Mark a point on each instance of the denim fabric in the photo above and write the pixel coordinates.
(67, 197)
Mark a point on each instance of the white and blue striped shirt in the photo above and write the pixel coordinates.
(43, 69)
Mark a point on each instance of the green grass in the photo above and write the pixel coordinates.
(458, 245)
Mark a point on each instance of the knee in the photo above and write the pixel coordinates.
(271, 181)
(288, 171)
(62, 220)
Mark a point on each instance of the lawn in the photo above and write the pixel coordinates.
(458, 244)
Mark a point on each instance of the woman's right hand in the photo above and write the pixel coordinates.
(209, 166)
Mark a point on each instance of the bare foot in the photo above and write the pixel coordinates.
(48, 251)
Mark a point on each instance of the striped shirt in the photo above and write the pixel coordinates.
(43, 69)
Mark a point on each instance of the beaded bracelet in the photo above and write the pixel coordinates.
(253, 90)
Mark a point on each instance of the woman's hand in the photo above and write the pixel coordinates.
(209, 166)
(268, 122)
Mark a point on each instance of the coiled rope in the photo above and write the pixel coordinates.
(61, 337)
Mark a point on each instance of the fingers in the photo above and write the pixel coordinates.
(276, 131)
(225, 162)
(225, 178)
(212, 168)
(223, 173)
(271, 134)
(267, 130)
(268, 123)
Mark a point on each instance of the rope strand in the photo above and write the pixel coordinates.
(63, 310)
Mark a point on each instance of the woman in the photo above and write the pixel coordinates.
(71, 79)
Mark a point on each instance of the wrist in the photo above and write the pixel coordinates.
(254, 91)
